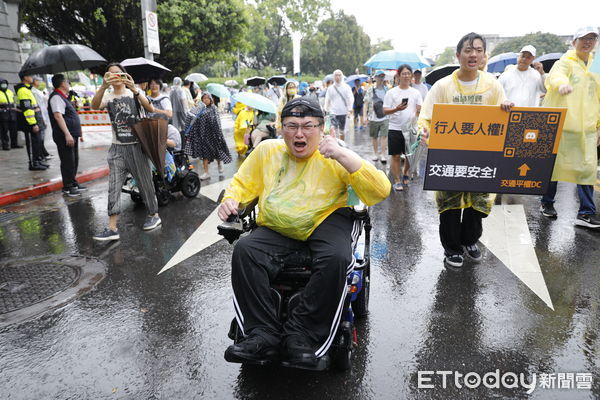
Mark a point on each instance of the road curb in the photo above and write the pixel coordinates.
(48, 187)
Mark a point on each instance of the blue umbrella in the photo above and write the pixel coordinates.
(328, 78)
(498, 63)
(362, 78)
(218, 90)
(255, 101)
(391, 59)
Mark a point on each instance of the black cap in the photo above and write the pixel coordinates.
(311, 108)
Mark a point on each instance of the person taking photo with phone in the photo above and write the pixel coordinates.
(402, 104)
(125, 155)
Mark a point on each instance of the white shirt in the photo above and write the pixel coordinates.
(402, 119)
(421, 87)
(523, 87)
(339, 103)
(57, 104)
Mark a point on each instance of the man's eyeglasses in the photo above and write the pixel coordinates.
(308, 128)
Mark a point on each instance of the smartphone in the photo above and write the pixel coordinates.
(120, 75)
(405, 101)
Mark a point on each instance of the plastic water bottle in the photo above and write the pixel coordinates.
(352, 197)
(327, 124)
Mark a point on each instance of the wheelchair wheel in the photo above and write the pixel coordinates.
(343, 360)
(136, 197)
(190, 185)
(360, 306)
(163, 197)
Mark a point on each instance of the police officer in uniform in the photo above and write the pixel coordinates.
(29, 120)
(8, 117)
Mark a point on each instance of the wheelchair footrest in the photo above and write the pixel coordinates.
(322, 364)
(238, 360)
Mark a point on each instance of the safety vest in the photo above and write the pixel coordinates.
(7, 98)
(26, 103)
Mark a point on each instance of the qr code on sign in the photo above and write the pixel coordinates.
(532, 134)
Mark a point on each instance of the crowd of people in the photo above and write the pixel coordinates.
(395, 109)
(308, 166)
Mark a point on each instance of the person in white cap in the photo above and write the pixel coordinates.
(571, 85)
(522, 84)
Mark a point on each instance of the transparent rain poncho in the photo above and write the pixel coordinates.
(577, 157)
(449, 90)
(296, 195)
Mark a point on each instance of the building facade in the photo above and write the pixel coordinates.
(10, 59)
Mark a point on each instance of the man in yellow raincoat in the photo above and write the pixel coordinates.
(461, 212)
(245, 116)
(301, 182)
(570, 84)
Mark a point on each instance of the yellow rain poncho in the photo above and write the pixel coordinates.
(577, 157)
(296, 195)
(449, 90)
(242, 122)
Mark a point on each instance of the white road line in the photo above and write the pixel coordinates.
(213, 190)
(506, 234)
(206, 234)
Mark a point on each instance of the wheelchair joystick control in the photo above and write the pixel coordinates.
(232, 228)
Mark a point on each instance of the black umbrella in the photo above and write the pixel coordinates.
(142, 69)
(278, 79)
(256, 81)
(440, 72)
(61, 58)
(548, 60)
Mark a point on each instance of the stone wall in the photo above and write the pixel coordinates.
(10, 59)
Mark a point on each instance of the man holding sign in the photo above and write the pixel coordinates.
(301, 183)
(461, 212)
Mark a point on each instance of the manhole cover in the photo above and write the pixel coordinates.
(31, 286)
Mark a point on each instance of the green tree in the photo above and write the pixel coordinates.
(272, 24)
(448, 56)
(339, 43)
(192, 32)
(381, 45)
(543, 42)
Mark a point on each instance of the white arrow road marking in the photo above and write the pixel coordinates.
(206, 234)
(506, 234)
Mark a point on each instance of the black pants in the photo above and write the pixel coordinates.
(455, 233)
(260, 256)
(33, 142)
(69, 158)
(8, 133)
(339, 122)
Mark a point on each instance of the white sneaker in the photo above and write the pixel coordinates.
(383, 159)
(204, 176)
(375, 157)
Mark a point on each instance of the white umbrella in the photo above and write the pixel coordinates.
(196, 77)
(231, 82)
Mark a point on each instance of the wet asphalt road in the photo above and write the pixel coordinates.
(142, 336)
